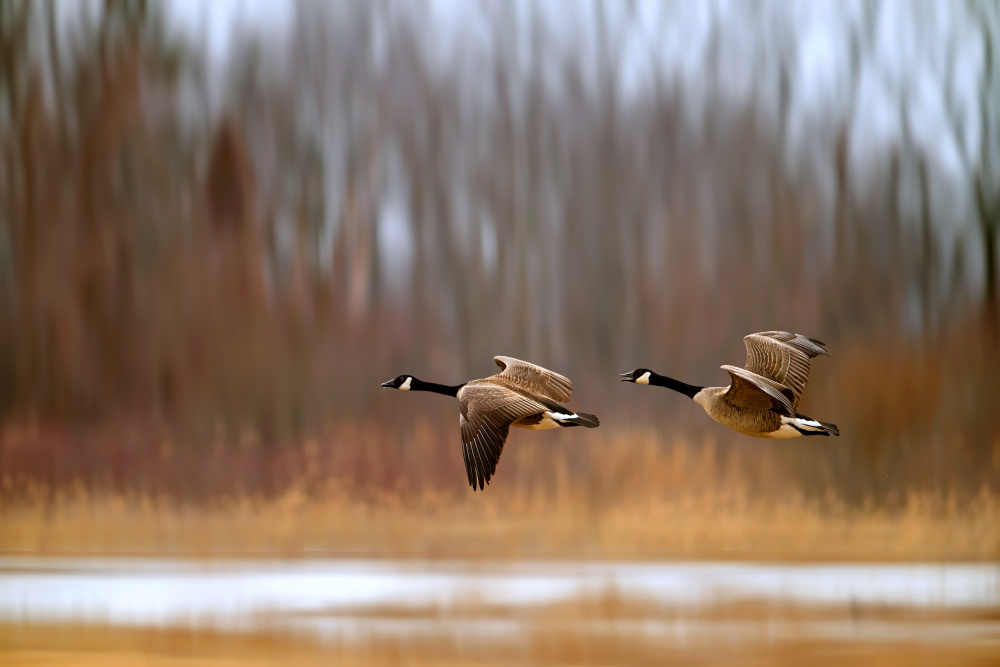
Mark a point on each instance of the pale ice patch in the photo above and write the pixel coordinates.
(162, 591)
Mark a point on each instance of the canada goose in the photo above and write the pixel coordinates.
(521, 394)
(762, 398)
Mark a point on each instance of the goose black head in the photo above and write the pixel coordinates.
(402, 382)
(638, 376)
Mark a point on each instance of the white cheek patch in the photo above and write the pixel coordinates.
(643, 379)
(406, 385)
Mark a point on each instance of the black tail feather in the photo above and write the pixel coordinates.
(584, 419)
(831, 428)
(825, 428)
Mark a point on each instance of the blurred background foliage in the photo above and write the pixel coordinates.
(211, 253)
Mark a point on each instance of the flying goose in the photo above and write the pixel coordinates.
(761, 401)
(521, 394)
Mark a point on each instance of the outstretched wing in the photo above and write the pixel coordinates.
(749, 390)
(542, 381)
(487, 411)
(783, 357)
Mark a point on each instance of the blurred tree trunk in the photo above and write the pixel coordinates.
(22, 353)
(989, 227)
(985, 167)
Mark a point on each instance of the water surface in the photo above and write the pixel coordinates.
(356, 599)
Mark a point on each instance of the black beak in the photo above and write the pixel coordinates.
(626, 377)
(389, 384)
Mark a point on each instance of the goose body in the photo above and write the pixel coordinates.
(762, 398)
(521, 394)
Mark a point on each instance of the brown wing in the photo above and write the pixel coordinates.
(782, 357)
(752, 391)
(487, 411)
(543, 381)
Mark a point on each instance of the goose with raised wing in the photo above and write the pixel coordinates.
(521, 394)
(762, 399)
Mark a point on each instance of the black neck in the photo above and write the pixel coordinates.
(420, 385)
(688, 390)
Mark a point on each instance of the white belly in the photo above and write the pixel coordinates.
(786, 431)
(789, 431)
(543, 425)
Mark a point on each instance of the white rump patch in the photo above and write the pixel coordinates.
(549, 420)
(406, 385)
(788, 429)
(808, 424)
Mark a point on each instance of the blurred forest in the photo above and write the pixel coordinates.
(207, 266)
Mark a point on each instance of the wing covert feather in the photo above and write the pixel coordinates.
(750, 390)
(557, 387)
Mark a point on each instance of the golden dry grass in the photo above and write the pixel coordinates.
(499, 525)
(243, 652)
(558, 635)
(627, 493)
